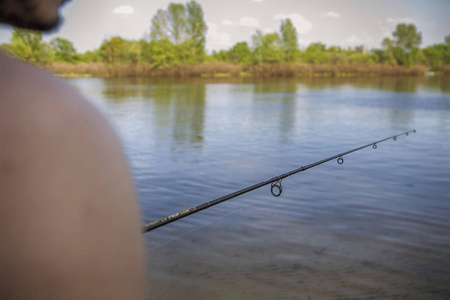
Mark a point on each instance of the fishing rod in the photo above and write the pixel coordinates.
(275, 185)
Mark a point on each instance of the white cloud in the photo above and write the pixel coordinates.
(123, 10)
(257, 0)
(400, 20)
(332, 14)
(301, 24)
(249, 21)
(216, 40)
(228, 23)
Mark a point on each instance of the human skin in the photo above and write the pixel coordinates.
(69, 219)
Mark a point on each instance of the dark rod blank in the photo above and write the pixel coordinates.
(277, 179)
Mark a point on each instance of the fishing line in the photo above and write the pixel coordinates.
(197, 228)
(276, 187)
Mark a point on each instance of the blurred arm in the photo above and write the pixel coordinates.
(69, 221)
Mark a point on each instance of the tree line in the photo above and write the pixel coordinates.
(178, 35)
(403, 49)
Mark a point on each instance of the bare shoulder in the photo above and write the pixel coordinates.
(68, 209)
(28, 92)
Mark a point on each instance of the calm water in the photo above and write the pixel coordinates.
(376, 227)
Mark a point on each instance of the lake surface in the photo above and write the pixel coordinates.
(376, 227)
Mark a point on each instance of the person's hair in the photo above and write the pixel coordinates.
(22, 14)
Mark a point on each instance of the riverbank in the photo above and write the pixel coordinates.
(222, 69)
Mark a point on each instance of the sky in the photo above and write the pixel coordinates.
(344, 23)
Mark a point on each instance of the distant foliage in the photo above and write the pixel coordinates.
(267, 48)
(289, 40)
(177, 39)
(119, 51)
(407, 37)
(112, 50)
(64, 50)
(185, 28)
(407, 41)
(240, 53)
(178, 22)
(196, 30)
(316, 53)
(160, 54)
(160, 29)
(28, 46)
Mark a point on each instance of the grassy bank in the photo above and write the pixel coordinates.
(221, 69)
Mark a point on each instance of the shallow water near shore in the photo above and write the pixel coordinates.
(376, 227)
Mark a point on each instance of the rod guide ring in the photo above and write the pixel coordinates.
(276, 188)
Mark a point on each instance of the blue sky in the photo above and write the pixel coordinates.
(345, 23)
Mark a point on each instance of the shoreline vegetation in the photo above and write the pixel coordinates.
(175, 47)
(224, 69)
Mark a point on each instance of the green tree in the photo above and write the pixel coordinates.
(435, 55)
(185, 52)
(196, 30)
(178, 22)
(64, 50)
(407, 37)
(133, 51)
(387, 55)
(185, 27)
(317, 47)
(267, 48)
(408, 40)
(335, 49)
(222, 55)
(28, 45)
(240, 53)
(159, 54)
(337, 55)
(91, 56)
(118, 50)
(289, 40)
(316, 53)
(160, 29)
(112, 50)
